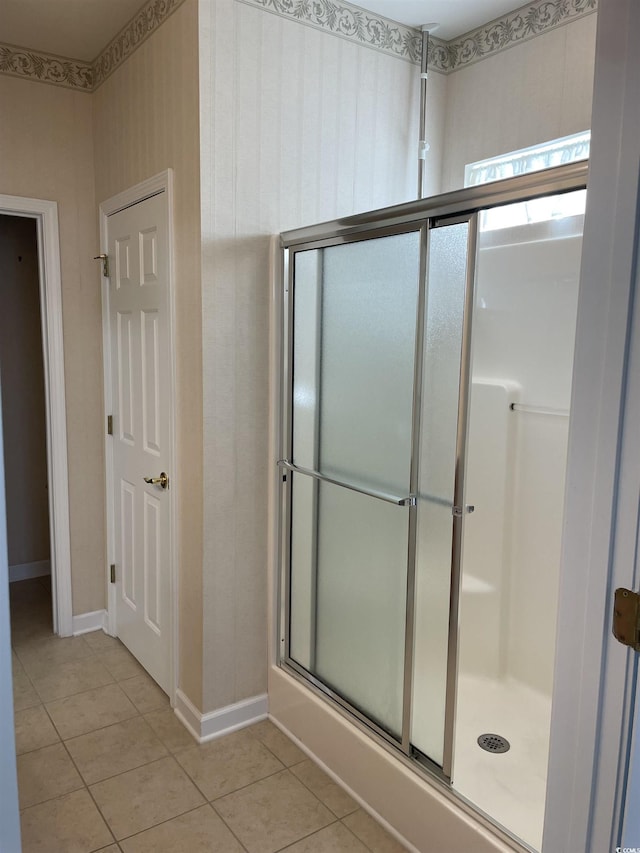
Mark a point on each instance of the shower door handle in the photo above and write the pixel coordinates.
(410, 500)
(459, 511)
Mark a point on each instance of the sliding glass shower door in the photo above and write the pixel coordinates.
(375, 349)
(354, 318)
(383, 425)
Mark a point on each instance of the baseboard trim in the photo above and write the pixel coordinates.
(215, 724)
(25, 571)
(83, 623)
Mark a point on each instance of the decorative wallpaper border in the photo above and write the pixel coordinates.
(335, 16)
(87, 76)
(33, 65)
(531, 20)
(140, 27)
(350, 22)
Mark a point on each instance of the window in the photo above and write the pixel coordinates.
(569, 149)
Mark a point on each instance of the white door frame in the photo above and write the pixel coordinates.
(592, 697)
(46, 215)
(9, 807)
(160, 183)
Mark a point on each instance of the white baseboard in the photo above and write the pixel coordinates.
(83, 623)
(206, 727)
(25, 571)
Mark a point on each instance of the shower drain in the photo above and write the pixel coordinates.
(494, 743)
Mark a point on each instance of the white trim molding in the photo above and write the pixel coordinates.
(215, 724)
(593, 684)
(46, 215)
(160, 183)
(84, 623)
(26, 571)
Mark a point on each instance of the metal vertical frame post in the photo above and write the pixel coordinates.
(459, 498)
(407, 699)
(286, 481)
(423, 146)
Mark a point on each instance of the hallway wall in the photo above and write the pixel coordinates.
(47, 153)
(145, 120)
(297, 126)
(23, 400)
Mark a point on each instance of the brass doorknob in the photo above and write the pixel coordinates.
(162, 480)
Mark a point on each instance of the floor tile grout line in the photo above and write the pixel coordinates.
(189, 811)
(22, 809)
(215, 811)
(93, 799)
(357, 837)
(351, 832)
(288, 766)
(98, 656)
(98, 728)
(308, 835)
(162, 822)
(126, 837)
(129, 769)
(302, 782)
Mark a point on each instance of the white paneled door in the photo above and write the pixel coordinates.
(141, 356)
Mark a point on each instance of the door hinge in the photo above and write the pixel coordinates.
(105, 263)
(626, 618)
(112, 573)
(109, 424)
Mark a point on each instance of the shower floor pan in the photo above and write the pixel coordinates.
(509, 786)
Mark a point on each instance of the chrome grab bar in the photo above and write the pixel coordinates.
(371, 493)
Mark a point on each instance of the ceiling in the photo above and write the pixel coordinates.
(82, 28)
(453, 16)
(78, 29)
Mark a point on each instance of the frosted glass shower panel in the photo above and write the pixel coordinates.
(361, 603)
(354, 324)
(369, 301)
(306, 357)
(444, 315)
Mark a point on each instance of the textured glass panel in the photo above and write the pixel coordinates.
(304, 525)
(355, 309)
(306, 357)
(369, 299)
(440, 394)
(362, 585)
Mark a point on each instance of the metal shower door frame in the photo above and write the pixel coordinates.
(422, 215)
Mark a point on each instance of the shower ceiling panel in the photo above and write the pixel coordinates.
(453, 16)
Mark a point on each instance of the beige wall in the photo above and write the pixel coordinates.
(145, 121)
(23, 400)
(540, 90)
(297, 126)
(46, 152)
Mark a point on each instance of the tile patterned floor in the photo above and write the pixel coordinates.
(104, 764)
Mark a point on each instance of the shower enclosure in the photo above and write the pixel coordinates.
(426, 369)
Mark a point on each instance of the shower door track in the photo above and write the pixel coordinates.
(413, 216)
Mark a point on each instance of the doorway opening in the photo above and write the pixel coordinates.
(25, 425)
(32, 357)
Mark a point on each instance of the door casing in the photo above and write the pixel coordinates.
(160, 183)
